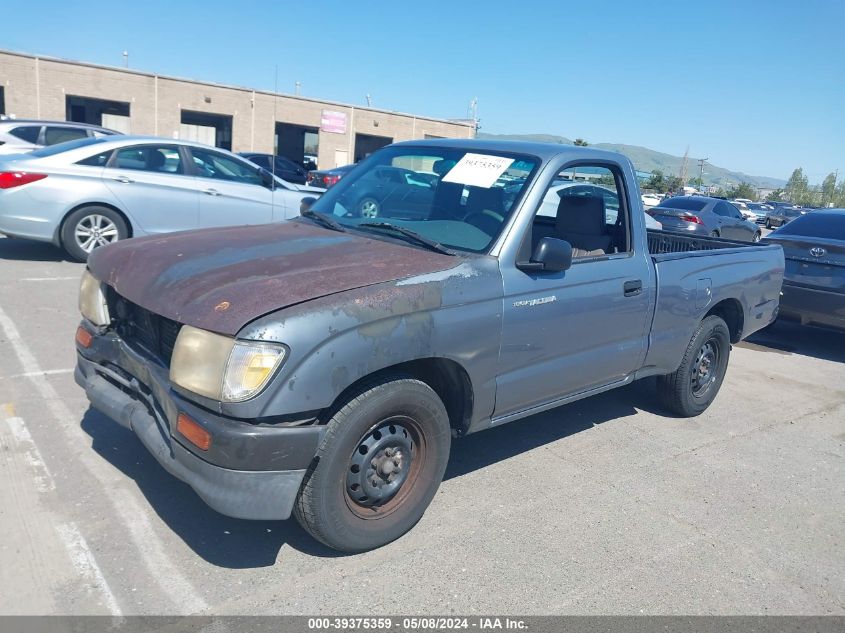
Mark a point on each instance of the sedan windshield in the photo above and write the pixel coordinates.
(457, 199)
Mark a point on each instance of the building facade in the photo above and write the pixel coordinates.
(240, 119)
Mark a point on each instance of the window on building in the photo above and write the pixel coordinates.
(111, 114)
(2, 100)
(207, 128)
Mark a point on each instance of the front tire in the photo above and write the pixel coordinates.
(379, 465)
(91, 227)
(756, 237)
(691, 388)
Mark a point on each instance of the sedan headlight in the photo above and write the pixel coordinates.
(222, 368)
(92, 301)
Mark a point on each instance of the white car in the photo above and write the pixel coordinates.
(18, 136)
(651, 200)
(86, 193)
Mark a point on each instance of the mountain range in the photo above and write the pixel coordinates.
(648, 160)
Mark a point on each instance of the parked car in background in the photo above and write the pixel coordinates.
(783, 214)
(814, 280)
(741, 205)
(325, 178)
(705, 216)
(350, 352)
(86, 193)
(279, 166)
(18, 136)
(756, 212)
(651, 199)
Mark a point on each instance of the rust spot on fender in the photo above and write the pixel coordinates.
(222, 306)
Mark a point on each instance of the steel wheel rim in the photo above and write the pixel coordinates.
(93, 231)
(369, 209)
(379, 480)
(705, 368)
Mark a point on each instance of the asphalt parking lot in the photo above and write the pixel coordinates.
(603, 506)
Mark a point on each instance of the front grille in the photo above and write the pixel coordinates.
(141, 328)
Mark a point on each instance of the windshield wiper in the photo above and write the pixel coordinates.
(320, 218)
(428, 243)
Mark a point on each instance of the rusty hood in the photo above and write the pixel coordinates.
(221, 279)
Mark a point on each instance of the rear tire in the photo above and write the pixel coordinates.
(714, 234)
(91, 227)
(369, 208)
(691, 388)
(353, 503)
(756, 237)
(768, 224)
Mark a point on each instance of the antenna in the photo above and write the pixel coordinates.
(369, 100)
(297, 87)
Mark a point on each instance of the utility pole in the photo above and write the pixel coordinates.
(297, 88)
(701, 162)
(472, 112)
(126, 59)
(369, 100)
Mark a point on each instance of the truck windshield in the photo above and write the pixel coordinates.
(456, 198)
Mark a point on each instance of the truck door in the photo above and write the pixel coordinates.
(572, 331)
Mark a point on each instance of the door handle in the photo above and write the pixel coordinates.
(211, 192)
(633, 288)
(123, 179)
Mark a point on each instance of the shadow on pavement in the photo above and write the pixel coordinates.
(786, 337)
(240, 544)
(30, 251)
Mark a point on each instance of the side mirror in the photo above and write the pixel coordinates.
(306, 203)
(550, 255)
(267, 179)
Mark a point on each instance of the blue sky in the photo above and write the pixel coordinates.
(756, 86)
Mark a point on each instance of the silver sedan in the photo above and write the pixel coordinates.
(84, 194)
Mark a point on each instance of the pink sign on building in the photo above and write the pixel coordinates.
(333, 122)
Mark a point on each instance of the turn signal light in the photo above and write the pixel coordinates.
(193, 432)
(9, 179)
(84, 337)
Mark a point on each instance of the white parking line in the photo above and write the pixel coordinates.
(85, 564)
(153, 554)
(43, 479)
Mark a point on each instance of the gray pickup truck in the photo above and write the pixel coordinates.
(322, 366)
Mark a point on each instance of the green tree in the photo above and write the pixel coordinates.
(581, 142)
(797, 187)
(674, 183)
(839, 195)
(829, 189)
(696, 182)
(657, 181)
(776, 195)
(743, 190)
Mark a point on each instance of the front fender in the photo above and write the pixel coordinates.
(337, 340)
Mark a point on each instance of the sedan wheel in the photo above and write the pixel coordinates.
(91, 227)
(756, 237)
(369, 208)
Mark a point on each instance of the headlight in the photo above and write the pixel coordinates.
(92, 301)
(222, 368)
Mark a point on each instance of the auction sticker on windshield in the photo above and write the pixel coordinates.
(478, 170)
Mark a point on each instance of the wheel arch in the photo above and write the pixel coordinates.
(57, 238)
(730, 310)
(449, 380)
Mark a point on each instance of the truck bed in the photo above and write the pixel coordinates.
(665, 245)
(697, 274)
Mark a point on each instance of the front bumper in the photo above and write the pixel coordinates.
(251, 472)
(812, 306)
